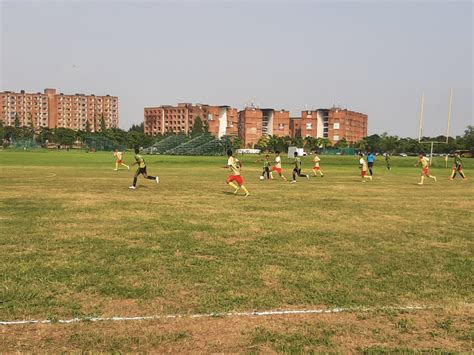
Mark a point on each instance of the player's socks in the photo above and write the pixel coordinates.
(151, 177)
(433, 177)
(135, 181)
(307, 177)
(271, 175)
(245, 190)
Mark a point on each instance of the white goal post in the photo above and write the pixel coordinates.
(420, 131)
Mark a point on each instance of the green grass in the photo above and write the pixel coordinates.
(80, 243)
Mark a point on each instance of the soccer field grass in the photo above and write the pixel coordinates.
(76, 242)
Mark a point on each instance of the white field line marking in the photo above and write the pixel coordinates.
(50, 175)
(211, 315)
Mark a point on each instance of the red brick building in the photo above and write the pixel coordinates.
(51, 110)
(251, 123)
(221, 120)
(255, 123)
(334, 124)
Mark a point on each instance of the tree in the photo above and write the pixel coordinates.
(468, 138)
(103, 127)
(137, 128)
(342, 143)
(88, 127)
(262, 143)
(310, 144)
(64, 136)
(17, 122)
(198, 128)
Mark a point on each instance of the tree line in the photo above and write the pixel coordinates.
(382, 143)
(135, 136)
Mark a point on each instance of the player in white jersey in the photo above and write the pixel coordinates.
(119, 160)
(277, 167)
(316, 167)
(363, 168)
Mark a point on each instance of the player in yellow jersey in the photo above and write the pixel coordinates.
(141, 170)
(316, 167)
(235, 180)
(363, 168)
(425, 168)
(118, 160)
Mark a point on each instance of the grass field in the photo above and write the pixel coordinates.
(75, 242)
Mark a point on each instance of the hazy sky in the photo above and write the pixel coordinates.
(374, 57)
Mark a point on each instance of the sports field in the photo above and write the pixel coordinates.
(76, 242)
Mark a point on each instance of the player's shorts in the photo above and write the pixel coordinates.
(237, 178)
(370, 164)
(425, 171)
(120, 161)
(362, 173)
(316, 168)
(141, 170)
(278, 170)
(457, 167)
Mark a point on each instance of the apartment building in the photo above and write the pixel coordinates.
(255, 123)
(221, 120)
(251, 123)
(334, 124)
(51, 109)
(25, 109)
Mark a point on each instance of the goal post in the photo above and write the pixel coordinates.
(420, 130)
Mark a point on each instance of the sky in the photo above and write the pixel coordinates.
(375, 57)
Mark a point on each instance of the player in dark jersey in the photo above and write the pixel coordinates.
(457, 167)
(297, 168)
(141, 170)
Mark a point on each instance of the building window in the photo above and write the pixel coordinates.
(336, 125)
(335, 138)
(281, 126)
(309, 126)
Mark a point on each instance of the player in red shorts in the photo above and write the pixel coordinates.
(425, 168)
(235, 179)
(118, 160)
(316, 167)
(277, 167)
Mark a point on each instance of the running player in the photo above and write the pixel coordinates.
(118, 160)
(234, 165)
(370, 162)
(425, 168)
(266, 167)
(316, 167)
(363, 168)
(277, 167)
(297, 168)
(457, 167)
(387, 161)
(141, 170)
